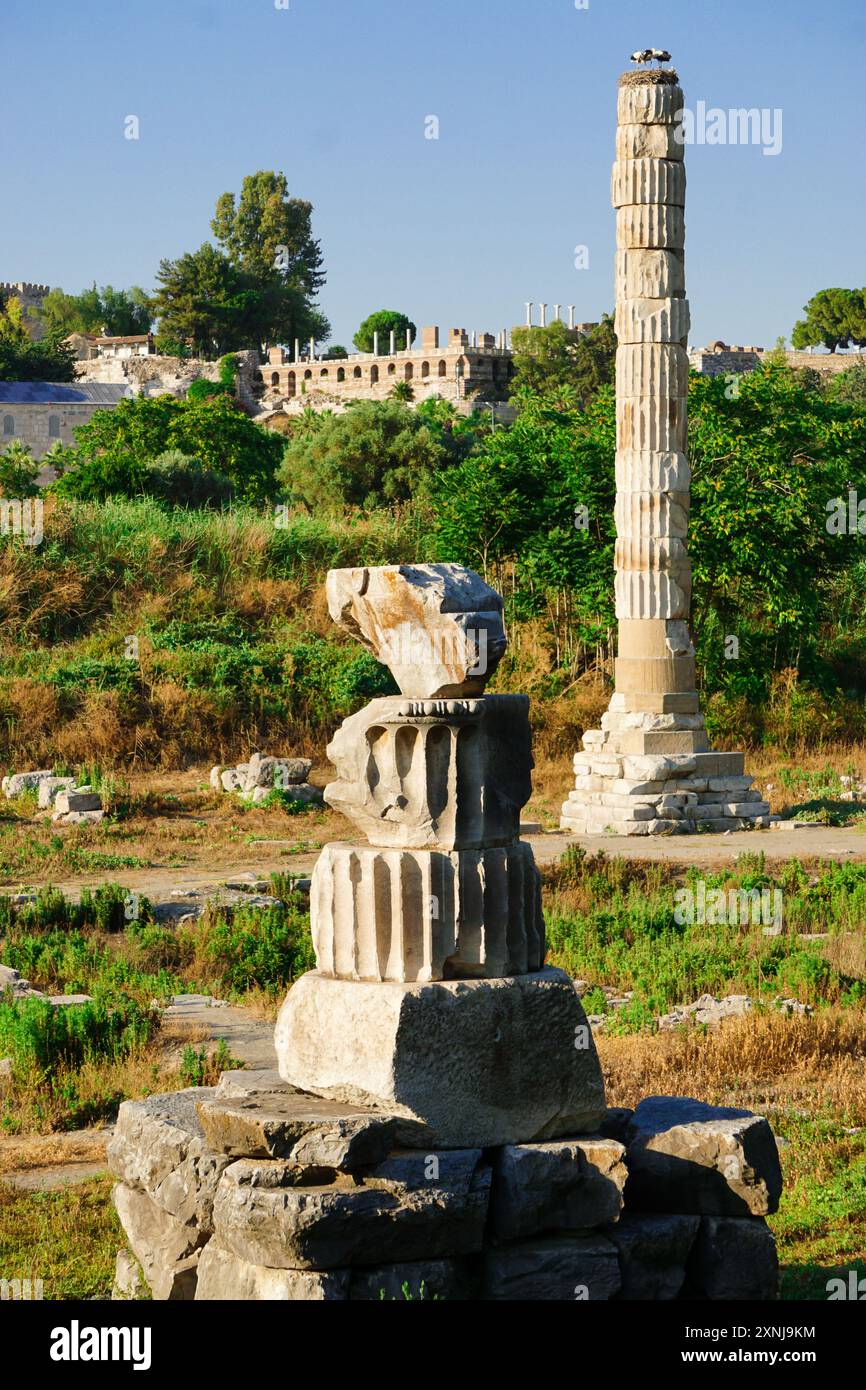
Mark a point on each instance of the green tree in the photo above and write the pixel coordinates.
(376, 452)
(116, 449)
(268, 236)
(118, 313)
(204, 301)
(23, 360)
(18, 471)
(834, 318)
(383, 322)
(561, 364)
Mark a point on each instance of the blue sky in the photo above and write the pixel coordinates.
(460, 230)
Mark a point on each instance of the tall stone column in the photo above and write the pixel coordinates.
(649, 769)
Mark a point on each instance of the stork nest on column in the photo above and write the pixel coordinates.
(650, 76)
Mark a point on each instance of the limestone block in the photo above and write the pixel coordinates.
(652, 425)
(651, 472)
(652, 514)
(653, 1250)
(651, 369)
(128, 1283)
(745, 808)
(685, 1156)
(20, 782)
(617, 721)
(437, 627)
(648, 142)
(730, 783)
(166, 1249)
(77, 800)
(648, 181)
(49, 788)
(651, 553)
(659, 769)
(563, 1185)
(286, 1124)
(629, 788)
(653, 593)
(406, 915)
(464, 1062)
(663, 741)
(413, 1206)
(223, 1276)
(275, 772)
(232, 780)
(652, 320)
(649, 103)
(158, 1147)
(677, 703)
(648, 225)
(733, 1258)
(655, 673)
(552, 1269)
(434, 774)
(244, 1085)
(720, 765)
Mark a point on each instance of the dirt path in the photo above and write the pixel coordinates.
(810, 842)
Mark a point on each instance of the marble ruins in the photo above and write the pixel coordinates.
(649, 770)
(437, 1127)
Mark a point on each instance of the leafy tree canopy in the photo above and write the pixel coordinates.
(375, 452)
(384, 322)
(562, 365)
(834, 318)
(116, 448)
(23, 360)
(117, 313)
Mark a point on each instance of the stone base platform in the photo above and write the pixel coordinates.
(672, 793)
(252, 1190)
(462, 1063)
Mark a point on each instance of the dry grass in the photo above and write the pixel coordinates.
(816, 1062)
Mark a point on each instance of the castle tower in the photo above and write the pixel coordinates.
(649, 769)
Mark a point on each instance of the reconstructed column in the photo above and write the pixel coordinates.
(430, 998)
(649, 768)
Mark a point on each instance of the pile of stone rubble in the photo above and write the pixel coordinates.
(256, 779)
(707, 1011)
(253, 1190)
(68, 803)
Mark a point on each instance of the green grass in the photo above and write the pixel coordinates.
(820, 1227)
(614, 922)
(67, 1238)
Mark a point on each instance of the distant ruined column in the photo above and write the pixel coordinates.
(649, 769)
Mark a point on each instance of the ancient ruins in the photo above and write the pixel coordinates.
(649, 770)
(437, 1127)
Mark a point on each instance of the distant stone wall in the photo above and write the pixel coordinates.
(155, 375)
(39, 425)
(734, 360)
(31, 297)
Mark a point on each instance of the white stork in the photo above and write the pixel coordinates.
(660, 55)
(642, 55)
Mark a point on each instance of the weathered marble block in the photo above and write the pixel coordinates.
(437, 627)
(406, 915)
(463, 1063)
(444, 774)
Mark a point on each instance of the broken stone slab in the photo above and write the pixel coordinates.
(223, 1276)
(167, 1249)
(50, 787)
(517, 1053)
(288, 1124)
(19, 782)
(686, 1156)
(733, 1258)
(77, 817)
(413, 1206)
(552, 1269)
(77, 799)
(243, 1085)
(653, 1250)
(158, 1147)
(437, 627)
(564, 1184)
